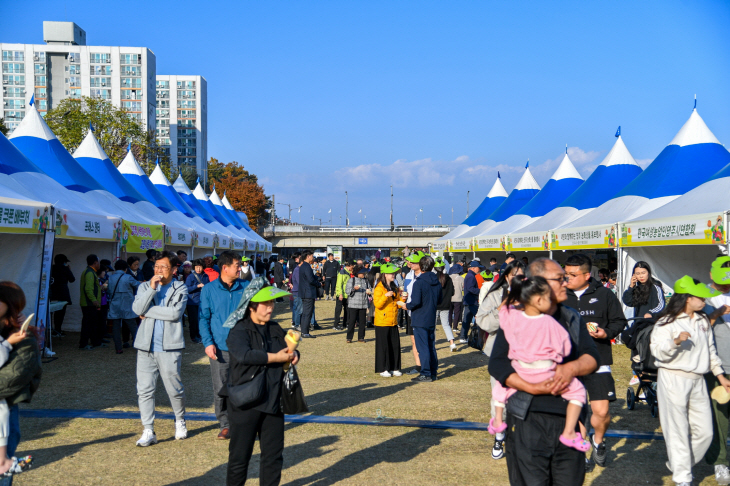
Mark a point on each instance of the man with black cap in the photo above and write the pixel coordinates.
(471, 298)
(279, 276)
(61, 276)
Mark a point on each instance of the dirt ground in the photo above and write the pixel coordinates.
(339, 380)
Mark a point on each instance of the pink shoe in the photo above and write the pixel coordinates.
(579, 443)
(494, 430)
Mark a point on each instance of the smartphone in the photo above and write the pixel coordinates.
(25, 325)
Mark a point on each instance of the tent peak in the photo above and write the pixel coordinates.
(90, 148)
(566, 170)
(693, 132)
(158, 177)
(130, 166)
(619, 154)
(527, 181)
(33, 125)
(497, 189)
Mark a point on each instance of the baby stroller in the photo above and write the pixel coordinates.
(638, 338)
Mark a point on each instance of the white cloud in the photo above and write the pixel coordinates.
(402, 173)
(644, 163)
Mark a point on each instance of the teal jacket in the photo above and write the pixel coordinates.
(217, 302)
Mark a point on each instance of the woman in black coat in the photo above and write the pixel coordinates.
(256, 345)
(61, 276)
(645, 294)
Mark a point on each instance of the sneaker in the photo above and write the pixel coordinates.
(722, 474)
(181, 431)
(452, 347)
(308, 336)
(590, 465)
(634, 381)
(498, 449)
(422, 379)
(599, 452)
(396, 373)
(148, 438)
(414, 371)
(463, 341)
(297, 328)
(385, 374)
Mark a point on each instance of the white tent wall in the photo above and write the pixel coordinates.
(22, 256)
(668, 264)
(77, 251)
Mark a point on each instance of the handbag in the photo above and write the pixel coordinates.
(475, 340)
(292, 394)
(249, 393)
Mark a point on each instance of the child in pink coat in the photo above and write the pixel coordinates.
(537, 343)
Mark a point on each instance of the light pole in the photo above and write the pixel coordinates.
(439, 220)
(287, 205)
(361, 217)
(391, 207)
(467, 203)
(347, 217)
(364, 217)
(421, 217)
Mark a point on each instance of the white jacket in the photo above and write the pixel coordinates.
(695, 355)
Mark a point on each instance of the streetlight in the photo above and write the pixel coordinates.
(290, 209)
(467, 203)
(391, 207)
(421, 217)
(347, 203)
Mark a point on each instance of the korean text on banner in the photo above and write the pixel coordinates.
(465, 244)
(589, 237)
(16, 217)
(438, 245)
(539, 241)
(41, 311)
(138, 238)
(699, 229)
(178, 237)
(489, 243)
(75, 225)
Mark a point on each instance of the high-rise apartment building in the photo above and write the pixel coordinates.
(182, 120)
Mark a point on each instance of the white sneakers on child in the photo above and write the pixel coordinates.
(148, 438)
(386, 374)
(181, 431)
(452, 347)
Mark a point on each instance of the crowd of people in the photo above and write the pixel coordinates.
(548, 388)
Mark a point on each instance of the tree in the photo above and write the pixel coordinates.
(3, 129)
(241, 187)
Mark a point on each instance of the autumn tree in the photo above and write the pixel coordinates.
(241, 187)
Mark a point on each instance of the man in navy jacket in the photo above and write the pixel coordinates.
(307, 291)
(471, 298)
(425, 296)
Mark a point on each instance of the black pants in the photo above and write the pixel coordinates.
(117, 325)
(455, 314)
(535, 456)
(403, 317)
(387, 349)
(470, 310)
(193, 311)
(340, 306)
(245, 426)
(58, 317)
(91, 326)
(329, 285)
(353, 316)
(307, 313)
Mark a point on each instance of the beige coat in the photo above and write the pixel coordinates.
(487, 317)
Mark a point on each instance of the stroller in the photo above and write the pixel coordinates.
(637, 338)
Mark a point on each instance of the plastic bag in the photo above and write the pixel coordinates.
(292, 394)
(475, 338)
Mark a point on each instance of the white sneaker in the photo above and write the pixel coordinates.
(148, 438)
(397, 373)
(181, 431)
(722, 474)
(385, 374)
(453, 347)
(634, 381)
(463, 341)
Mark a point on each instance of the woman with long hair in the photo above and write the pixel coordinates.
(256, 345)
(683, 346)
(387, 337)
(645, 294)
(442, 309)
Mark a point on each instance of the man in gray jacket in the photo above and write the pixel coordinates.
(160, 341)
(121, 296)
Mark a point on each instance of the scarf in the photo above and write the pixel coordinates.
(255, 285)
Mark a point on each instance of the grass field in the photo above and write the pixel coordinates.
(339, 380)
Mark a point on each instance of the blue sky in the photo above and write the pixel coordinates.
(319, 98)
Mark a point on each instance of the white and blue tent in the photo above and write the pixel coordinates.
(216, 201)
(496, 196)
(563, 183)
(244, 223)
(611, 176)
(526, 188)
(186, 194)
(691, 158)
(202, 198)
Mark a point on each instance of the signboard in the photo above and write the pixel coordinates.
(362, 241)
(238, 244)
(336, 251)
(82, 226)
(41, 310)
(178, 237)
(539, 241)
(21, 218)
(464, 244)
(438, 245)
(698, 229)
(138, 238)
(600, 236)
(488, 243)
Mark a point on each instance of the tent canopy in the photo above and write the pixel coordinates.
(496, 196)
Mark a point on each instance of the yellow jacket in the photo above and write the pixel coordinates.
(386, 309)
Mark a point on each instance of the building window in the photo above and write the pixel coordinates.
(186, 103)
(14, 92)
(10, 79)
(72, 69)
(104, 94)
(11, 67)
(186, 161)
(162, 132)
(163, 113)
(40, 81)
(42, 105)
(131, 71)
(74, 57)
(74, 93)
(39, 56)
(40, 69)
(131, 94)
(163, 94)
(13, 104)
(186, 152)
(99, 58)
(186, 114)
(13, 56)
(131, 83)
(163, 103)
(100, 82)
(164, 141)
(14, 116)
(74, 81)
(186, 142)
(186, 85)
(132, 105)
(162, 84)
(186, 133)
(40, 93)
(186, 123)
(100, 70)
(185, 95)
(164, 122)
(135, 116)
(130, 59)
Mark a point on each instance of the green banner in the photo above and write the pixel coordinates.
(138, 238)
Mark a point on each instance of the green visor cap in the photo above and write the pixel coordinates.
(376, 264)
(439, 262)
(415, 257)
(389, 268)
(245, 259)
(268, 293)
(686, 285)
(486, 274)
(719, 274)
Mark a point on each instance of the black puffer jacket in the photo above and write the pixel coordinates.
(20, 377)
(598, 304)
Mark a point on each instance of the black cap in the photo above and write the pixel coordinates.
(60, 259)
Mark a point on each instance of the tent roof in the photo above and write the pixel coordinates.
(92, 157)
(562, 184)
(216, 201)
(137, 178)
(526, 188)
(163, 185)
(184, 191)
(202, 198)
(37, 142)
(496, 196)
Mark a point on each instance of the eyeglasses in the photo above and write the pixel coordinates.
(160, 267)
(560, 279)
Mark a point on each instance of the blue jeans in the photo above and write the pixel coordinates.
(297, 311)
(13, 440)
(426, 347)
(470, 310)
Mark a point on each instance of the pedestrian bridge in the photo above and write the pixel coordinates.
(305, 236)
